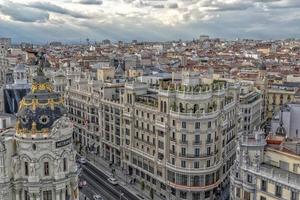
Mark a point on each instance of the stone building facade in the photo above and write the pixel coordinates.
(37, 159)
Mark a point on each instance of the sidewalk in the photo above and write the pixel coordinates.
(122, 177)
(82, 197)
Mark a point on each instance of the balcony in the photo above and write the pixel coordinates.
(161, 124)
(173, 152)
(197, 142)
(209, 141)
(196, 115)
(204, 155)
(183, 142)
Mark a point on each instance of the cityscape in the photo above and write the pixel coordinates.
(149, 100)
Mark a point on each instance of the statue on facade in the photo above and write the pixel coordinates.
(16, 166)
(32, 168)
(57, 165)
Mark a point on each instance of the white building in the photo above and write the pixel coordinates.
(289, 116)
(37, 160)
(251, 108)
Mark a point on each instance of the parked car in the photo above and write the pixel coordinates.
(97, 197)
(82, 161)
(81, 184)
(113, 180)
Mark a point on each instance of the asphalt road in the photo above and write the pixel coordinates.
(97, 184)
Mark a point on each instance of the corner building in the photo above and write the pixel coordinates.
(180, 138)
(37, 160)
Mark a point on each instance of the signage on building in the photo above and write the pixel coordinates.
(63, 143)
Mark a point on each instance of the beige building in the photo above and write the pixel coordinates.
(105, 73)
(266, 169)
(178, 140)
(280, 94)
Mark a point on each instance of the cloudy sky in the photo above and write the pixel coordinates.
(74, 20)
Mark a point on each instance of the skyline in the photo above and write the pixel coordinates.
(146, 20)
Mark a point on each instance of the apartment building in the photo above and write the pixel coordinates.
(280, 94)
(266, 168)
(180, 138)
(251, 108)
(176, 139)
(96, 109)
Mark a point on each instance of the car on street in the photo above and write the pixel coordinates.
(97, 197)
(113, 180)
(81, 184)
(82, 161)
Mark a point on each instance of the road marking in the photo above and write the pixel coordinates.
(96, 185)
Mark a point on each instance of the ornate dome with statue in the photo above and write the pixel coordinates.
(40, 108)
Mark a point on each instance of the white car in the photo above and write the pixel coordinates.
(97, 197)
(82, 160)
(113, 181)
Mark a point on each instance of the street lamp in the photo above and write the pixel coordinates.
(121, 195)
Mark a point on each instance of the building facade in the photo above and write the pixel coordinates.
(176, 139)
(37, 159)
(251, 108)
(266, 168)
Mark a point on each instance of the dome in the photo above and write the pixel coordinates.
(39, 109)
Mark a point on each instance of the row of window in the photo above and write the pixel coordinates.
(46, 167)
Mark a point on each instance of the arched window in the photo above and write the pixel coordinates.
(165, 106)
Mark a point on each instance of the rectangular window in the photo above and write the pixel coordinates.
(264, 185)
(183, 151)
(246, 195)
(26, 195)
(209, 125)
(65, 164)
(196, 164)
(278, 191)
(197, 152)
(46, 168)
(262, 198)
(208, 163)
(238, 192)
(197, 139)
(183, 163)
(208, 151)
(26, 168)
(197, 125)
(47, 195)
(183, 137)
(249, 178)
(294, 195)
(183, 125)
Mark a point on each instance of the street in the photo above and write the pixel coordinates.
(97, 184)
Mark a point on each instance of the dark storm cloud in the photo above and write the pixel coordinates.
(47, 6)
(18, 12)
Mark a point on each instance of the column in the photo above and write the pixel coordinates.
(17, 194)
(63, 194)
(57, 194)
